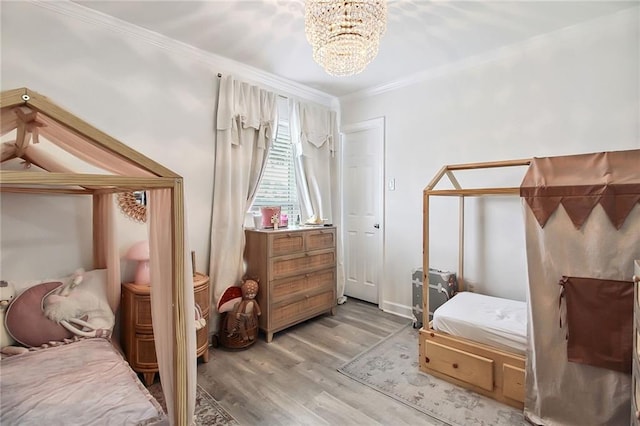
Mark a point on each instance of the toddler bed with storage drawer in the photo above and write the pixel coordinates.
(475, 341)
(73, 377)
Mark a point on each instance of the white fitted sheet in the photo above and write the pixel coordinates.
(497, 322)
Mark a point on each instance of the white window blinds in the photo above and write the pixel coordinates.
(278, 184)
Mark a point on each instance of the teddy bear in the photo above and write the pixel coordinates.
(7, 293)
(245, 313)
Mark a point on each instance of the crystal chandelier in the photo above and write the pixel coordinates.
(345, 34)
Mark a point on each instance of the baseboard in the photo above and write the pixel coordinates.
(397, 309)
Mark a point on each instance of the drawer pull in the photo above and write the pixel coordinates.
(432, 335)
(455, 365)
(426, 359)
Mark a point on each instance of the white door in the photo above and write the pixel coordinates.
(362, 201)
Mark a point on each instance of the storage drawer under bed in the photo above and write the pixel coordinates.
(461, 365)
(481, 368)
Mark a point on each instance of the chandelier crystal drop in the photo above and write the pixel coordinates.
(345, 34)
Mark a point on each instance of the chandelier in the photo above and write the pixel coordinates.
(345, 34)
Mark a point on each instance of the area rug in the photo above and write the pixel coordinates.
(208, 412)
(391, 367)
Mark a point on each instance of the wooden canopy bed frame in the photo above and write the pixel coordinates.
(149, 175)
(492, 372)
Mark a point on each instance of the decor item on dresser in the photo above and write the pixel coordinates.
(140, 252)
(270, 217)
(297, 274)
(240, 325)
(137, 329)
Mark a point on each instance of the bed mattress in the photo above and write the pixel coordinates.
(497, 322)
(81, 383)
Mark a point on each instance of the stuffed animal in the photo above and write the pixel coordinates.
(245, 314)
(70, 305)
(7, 293)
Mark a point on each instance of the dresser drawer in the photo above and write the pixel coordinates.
(142, 315)
(293, 287)
(320, 239)
(145, 353)
(286, 266)
(286, 243)
(513, 382)
(462, 365)
(287, 314)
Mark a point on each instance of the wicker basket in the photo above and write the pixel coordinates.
(235, 341)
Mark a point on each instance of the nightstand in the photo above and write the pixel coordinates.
(137, 329)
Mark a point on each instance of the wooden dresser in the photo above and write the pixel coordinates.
(296, 269)
(137, 329)
(635, 367)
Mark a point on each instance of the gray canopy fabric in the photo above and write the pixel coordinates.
(582, 219)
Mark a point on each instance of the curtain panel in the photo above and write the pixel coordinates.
(314, 134)
(245, 130)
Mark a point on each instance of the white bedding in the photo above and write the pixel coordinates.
(83, 383)
(494, 321)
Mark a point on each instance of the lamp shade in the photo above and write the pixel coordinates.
(140, 252)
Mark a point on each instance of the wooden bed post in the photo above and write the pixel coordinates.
(180, 386)
(461, 285)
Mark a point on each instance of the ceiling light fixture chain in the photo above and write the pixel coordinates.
(345, 34)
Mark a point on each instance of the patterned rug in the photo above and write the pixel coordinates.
(391, 367)
(208, 412)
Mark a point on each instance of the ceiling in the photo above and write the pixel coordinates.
(421, 34)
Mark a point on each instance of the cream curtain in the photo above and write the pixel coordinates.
(162, 306)
(314, 133)
(245, 126)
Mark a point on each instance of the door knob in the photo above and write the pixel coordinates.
(377, 226)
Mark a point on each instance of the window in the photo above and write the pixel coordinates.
(278, 184)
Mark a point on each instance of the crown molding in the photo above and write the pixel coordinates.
(218, 63)
(477, 60)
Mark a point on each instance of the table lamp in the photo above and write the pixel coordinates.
(140, 252)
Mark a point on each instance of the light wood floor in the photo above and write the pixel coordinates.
(294, 379)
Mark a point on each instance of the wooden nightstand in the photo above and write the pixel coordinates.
(137, 329)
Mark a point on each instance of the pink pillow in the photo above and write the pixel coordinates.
(25, 319)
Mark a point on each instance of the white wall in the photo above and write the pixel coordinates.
(151, 93)
(571, 91)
